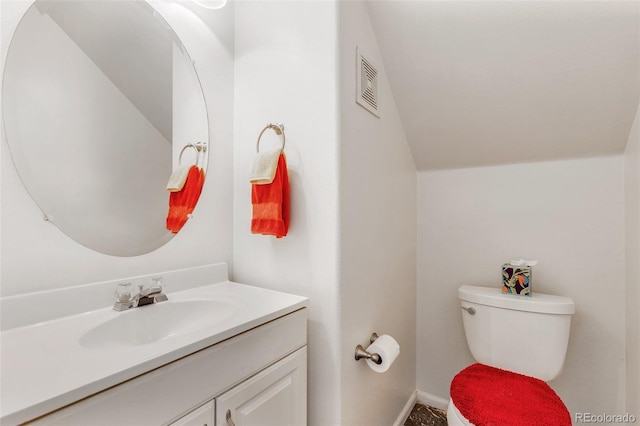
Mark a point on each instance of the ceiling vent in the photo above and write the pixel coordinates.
(367, 76)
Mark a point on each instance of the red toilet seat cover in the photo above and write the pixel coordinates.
(489, 396)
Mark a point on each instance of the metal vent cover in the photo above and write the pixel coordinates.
(367, 83)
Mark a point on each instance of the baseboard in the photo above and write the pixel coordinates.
(423, 398)
(432, 400)
(406, 410)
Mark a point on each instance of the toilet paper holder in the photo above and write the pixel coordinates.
(362, 353)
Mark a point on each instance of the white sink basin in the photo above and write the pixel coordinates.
(152, 323)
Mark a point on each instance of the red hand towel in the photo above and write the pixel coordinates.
(271, 204)
(182, 203)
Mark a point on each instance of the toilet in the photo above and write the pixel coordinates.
(519, 343)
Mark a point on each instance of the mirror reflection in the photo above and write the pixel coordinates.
(99, 100)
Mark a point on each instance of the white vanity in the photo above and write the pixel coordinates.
(215, 353)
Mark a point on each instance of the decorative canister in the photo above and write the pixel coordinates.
(517, 277)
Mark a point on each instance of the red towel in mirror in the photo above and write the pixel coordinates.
(271, 203)
(182, 203)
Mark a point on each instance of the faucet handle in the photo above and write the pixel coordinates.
(157, 281)
(123, 293)
(156, 286)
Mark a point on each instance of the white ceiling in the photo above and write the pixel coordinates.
(485, 82)
(130, 45)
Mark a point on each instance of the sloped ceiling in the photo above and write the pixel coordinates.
(129, 45)
(485, 82)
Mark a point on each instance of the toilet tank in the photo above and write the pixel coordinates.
(527, 335)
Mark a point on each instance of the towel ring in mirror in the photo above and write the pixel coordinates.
(198, 146)
(276, 127)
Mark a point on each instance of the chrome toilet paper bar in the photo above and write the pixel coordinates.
(362, 353)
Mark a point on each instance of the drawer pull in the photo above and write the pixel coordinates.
(229, 421)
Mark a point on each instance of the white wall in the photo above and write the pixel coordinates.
(377, 235)
(286, 68)
(286, 71)
(37, 256)
(568, 215)
(632, 243)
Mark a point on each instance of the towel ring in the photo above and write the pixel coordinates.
(276, 127)
(198, 146)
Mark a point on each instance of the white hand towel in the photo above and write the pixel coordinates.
(177, 179)
(264, 167)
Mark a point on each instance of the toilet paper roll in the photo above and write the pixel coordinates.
(388, 349)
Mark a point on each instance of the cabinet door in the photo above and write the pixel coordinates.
(277, 396)
(203, 416)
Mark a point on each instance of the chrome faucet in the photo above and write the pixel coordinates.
(146, 295)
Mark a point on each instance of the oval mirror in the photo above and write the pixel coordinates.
(100, 98)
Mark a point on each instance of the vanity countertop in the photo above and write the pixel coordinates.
(48, 365)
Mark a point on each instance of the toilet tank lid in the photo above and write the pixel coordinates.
(537, 302)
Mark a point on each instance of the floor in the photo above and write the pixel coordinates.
(424, 415)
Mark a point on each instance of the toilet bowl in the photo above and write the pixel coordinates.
(454, 418)
(520, 342)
